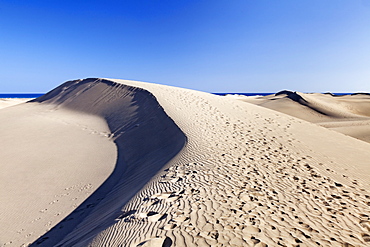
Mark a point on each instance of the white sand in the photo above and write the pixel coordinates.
(6, 102)
(347, 114)
(222, 173)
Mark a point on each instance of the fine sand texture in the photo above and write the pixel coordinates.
(347, 114)
(6, 102)
(128, 163)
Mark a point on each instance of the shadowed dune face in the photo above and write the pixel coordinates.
(129, 112)
(145, 137)
(293, 96)
(50, 161)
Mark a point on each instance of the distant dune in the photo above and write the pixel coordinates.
(11, 101)
(105, 162)
(347, 114)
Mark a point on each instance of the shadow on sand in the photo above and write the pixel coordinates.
(146, 139)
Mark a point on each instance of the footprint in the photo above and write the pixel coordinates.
(365, 224)
(156, 242)
(154, 216)
(244, 197)
(150, 203)
(366, 237)
(169, 226)
(125, 214)
(181, 218)
(55, 201)
(248, 206)
(39, 218)
(172, 198)
(251, 230)
(175, 180)
(164, 195)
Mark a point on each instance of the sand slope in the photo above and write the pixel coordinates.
(85, 143)
(347, 114)
(6, 102)
(222, 173)
(51, 161)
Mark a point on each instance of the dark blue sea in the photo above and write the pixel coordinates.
(20, 95)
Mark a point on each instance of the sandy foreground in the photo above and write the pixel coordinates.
(103, 162)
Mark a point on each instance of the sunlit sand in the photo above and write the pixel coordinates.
(104, 162)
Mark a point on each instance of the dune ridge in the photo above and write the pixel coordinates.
(242, 181)
(242, 175)
(347, 114)
(132, 115)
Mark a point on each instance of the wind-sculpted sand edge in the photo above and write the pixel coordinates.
(347, 114)
(145, 139)
(247, 176)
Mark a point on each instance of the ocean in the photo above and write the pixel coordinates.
(20, 95)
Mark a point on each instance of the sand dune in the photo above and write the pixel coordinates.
(166, 166)
(74, 146)
(6, 102)
(347, 114)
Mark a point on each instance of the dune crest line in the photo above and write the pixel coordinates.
(347, 114)
(145, 139)
(248, 176)
(196, 169)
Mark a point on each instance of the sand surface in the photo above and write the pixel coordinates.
(347, 114)
(153, 165)
(6, 102)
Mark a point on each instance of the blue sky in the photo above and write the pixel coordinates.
(213, 46)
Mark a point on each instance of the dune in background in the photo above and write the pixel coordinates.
(6, 102)
(347, 114)
(128, 163)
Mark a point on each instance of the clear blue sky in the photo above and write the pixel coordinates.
(213, 46)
